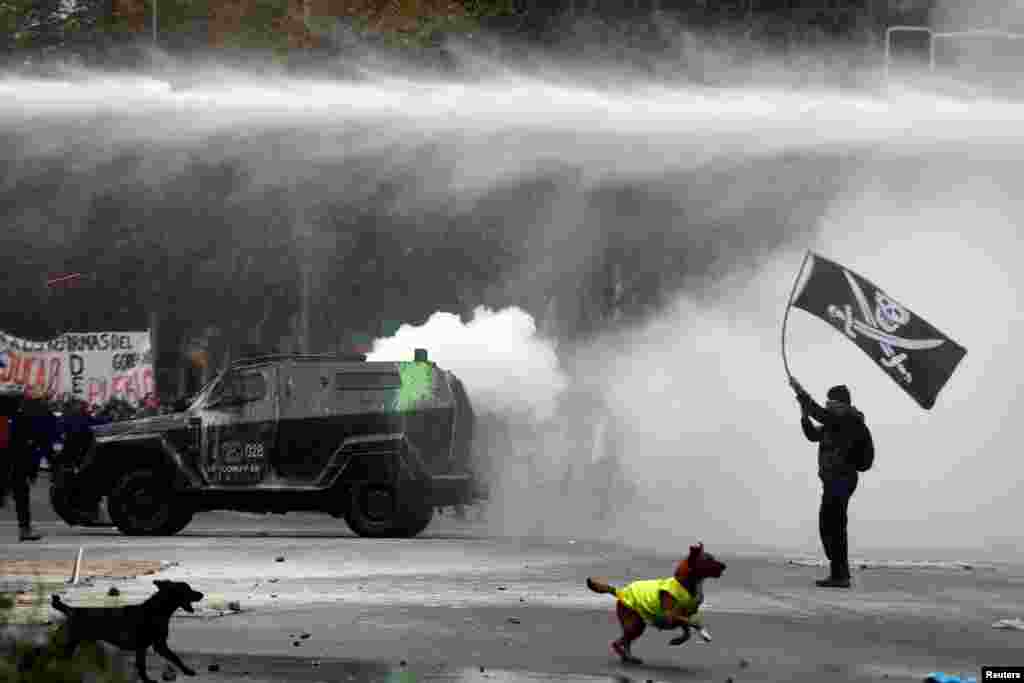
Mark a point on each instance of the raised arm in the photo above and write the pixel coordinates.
(812, 432)
(808, 404)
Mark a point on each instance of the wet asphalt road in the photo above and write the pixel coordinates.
(455, 604)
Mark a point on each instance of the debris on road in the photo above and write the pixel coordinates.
(744, 663)
(305, 636)
(940, 677)
(76, 569)
(213, 668)
(273, 580)
(113, 592)
(235, 606)
(514, 620)
(279, 558)
(502, 588)
(1009, 624)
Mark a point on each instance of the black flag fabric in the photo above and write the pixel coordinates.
(916, 355)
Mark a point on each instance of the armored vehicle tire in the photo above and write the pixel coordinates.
(63, 507)
(417, 520)
(375, 512)
(143, 504)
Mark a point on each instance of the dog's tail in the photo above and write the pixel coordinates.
(601, 586)
(59, 606)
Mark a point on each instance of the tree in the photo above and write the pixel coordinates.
(45, 25)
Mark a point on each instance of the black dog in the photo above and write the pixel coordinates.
(135, 627)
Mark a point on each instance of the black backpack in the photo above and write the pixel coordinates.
(863, 452)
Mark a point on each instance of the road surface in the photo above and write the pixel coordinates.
(457, 605)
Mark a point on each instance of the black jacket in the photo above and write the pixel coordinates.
(78, 436)
(841, 428)
(33, 435)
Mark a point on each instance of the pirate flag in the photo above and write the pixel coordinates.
(916, 355)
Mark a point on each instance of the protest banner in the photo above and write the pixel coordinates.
(90, 366)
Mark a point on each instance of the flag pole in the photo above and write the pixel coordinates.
(785, 316)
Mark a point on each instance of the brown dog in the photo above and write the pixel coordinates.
(667, 603)
(135, 627)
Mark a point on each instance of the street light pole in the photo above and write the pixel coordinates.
(154, 22)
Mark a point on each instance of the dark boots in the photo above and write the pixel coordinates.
(833, 582)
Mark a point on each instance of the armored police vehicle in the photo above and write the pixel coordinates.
(378, 444)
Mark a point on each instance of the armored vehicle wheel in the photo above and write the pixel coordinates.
(374, 511)
(143, 504)
(417, 520)
(63, 506)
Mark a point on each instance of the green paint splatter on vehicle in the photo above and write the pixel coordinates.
(417, 385)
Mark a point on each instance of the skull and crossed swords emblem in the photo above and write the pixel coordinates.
(880, 325)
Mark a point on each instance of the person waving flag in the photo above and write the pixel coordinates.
(911, 351)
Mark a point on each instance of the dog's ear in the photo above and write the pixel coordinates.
(696, 551)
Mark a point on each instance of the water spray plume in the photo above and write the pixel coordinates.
(524, 189)
(506, 368)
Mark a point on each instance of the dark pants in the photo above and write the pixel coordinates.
(17, 476)
(20, 487)
(835, 500)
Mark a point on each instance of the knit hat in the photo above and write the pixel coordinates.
(840, 392)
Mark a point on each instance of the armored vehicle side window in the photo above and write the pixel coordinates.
(242, 387)
(218, 392)
(252, 386)
(367, 389)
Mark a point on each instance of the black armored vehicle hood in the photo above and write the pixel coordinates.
(146, 425)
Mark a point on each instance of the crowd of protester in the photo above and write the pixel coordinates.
(68, 414)
(35, 429)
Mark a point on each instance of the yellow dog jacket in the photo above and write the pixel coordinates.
(644, 598)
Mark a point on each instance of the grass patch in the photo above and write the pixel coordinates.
(24, 661)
